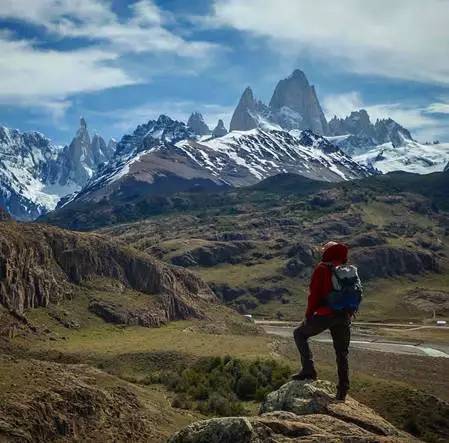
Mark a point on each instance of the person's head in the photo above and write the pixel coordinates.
(335, 253)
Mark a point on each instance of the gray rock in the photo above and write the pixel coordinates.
(219, 130)
(247, 113)
(216, 430)
(295, 105)
(197, 124)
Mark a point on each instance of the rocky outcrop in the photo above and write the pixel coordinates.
(197, 124)
(40, 264)
(125, 315)
(298, 411)
(295, 105)
(428, 300)
(390, 261)
(219, 130)
(213, 253)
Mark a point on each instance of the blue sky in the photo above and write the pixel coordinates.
(120, 63)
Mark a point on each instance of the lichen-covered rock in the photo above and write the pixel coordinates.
(298, 411)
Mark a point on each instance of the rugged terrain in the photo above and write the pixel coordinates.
(42, 266)
(256, 246)
(297, 411)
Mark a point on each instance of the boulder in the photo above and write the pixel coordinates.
(298, 411)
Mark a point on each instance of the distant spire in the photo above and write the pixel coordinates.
(83, 123)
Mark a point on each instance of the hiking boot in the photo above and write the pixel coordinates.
(305, 376)
(341, 394)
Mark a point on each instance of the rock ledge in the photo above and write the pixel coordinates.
(298, 411)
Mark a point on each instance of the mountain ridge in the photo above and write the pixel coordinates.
(35, 174)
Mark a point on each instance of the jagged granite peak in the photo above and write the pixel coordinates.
(197, 124)
(295, 105)
(78, 162)
(219, 130)
(248, 113)
(362, 134)
(387, 130)
(99, 148)
(357, 123)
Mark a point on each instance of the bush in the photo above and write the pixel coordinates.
(215, 385)
(246, 387)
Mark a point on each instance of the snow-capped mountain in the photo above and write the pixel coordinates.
(410, 156)
(355, 133)
(35, 174)
(294, 105)
(164, 156)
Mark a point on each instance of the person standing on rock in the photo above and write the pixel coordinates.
(335, 295)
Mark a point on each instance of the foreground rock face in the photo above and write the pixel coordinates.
(48, 402)
(298, 411)
(40, 264)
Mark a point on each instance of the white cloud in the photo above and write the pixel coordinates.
(406, 39)
(31, 75)
(438, 108)
(341, 105)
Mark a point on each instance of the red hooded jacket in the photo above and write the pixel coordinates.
(321, 282)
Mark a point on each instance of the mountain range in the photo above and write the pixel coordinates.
(35, 174)
(165, 156)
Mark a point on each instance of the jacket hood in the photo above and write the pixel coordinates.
(336, 253)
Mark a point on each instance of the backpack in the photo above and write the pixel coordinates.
(347, 292)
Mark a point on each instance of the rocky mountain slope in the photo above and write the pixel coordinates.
(42, 265)
(164, 156)
(298, 411)
(35, 174)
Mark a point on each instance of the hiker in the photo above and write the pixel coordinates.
(335, 293)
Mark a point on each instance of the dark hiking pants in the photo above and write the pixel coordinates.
(340, 329)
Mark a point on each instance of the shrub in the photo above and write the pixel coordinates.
(246, 387)
(215, 385)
